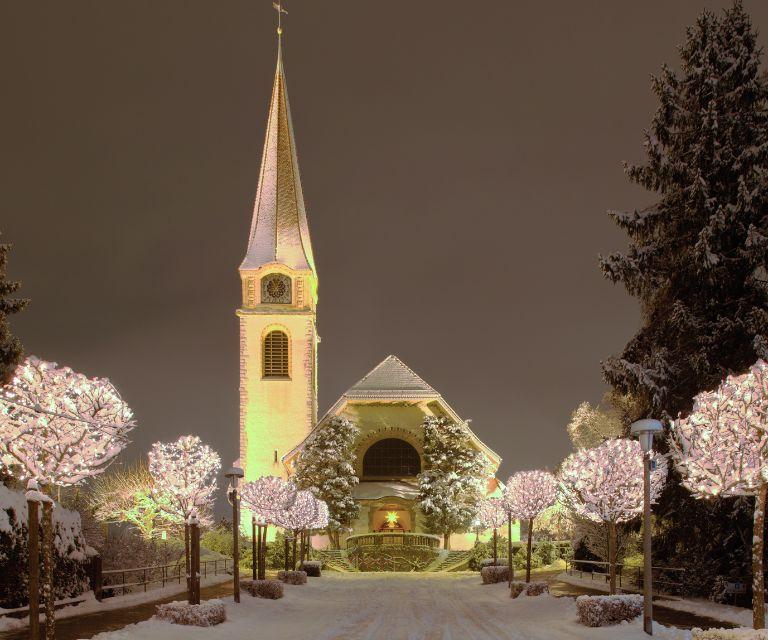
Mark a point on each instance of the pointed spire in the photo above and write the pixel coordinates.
(279, 230)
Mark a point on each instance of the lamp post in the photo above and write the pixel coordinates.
(645, 430)
(234, 474)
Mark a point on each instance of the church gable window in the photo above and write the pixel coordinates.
(275, 354)
(276, 289)
(391, 458)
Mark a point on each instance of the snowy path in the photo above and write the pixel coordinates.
(388, 606)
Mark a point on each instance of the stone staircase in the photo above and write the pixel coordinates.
(335, 560)
(450, 561)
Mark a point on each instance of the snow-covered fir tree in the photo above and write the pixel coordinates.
(10, 347)
(451, 485)
(327, 468)
(697, 256)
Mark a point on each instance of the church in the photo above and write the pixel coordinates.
(278, 358)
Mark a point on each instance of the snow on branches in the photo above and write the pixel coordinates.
(720, 448)
(605, 483)
(492, 513)
(302, 514)
(59, 426)
(530, 492)
(268, 497)
(185, 472)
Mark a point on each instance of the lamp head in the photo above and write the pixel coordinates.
(234, 474)
(645, 430)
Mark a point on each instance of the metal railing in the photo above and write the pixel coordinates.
(570, 569)
(163, 574)
(394, 539)
(664, 578)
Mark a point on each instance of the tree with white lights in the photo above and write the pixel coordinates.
(492, 514)
(59, 427)
(302, 514)
(721, 449)
(185, 473)
(530, 493)
(605, 484)
(452, 482)
(327, 467)
(268, 497)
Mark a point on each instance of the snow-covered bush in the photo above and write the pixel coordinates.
(311, 568)
(492, 575)
(490, 562)
(600, 611)
(205, 614)
(71, 559)
(729, 634)
(269, 589)
(292, 577)
(529, 588)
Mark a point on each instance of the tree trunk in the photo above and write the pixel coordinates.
(510, 563)
(758, 578)
(186, 558)
(530, 542)
(447, 541)
(495, 547)
(33, 527)
(48, 565)
(612, 556)
(287, 550)
(263, 554)
(293, 555)
(255, 550)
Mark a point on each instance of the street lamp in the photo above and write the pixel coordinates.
(233, 475)
(645, 430)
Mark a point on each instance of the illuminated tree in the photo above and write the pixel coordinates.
(58, 426)
(721, 449)
(327, 467)
(492, 514)
(10, 347)
(302, 514)
(605, 484)
(589, 426)
(530, 493)
(128, 495)
(184, 473)
(451, 485)
(268, 497)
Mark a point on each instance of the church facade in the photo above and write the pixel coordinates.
(278, 358)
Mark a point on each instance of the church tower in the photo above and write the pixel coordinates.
(278, 336)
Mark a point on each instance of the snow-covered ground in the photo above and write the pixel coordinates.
(392, 606)
(698, 606)
(91, 605)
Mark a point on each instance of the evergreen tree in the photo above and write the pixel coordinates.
(697, 264)
(451, 485)
(10, 346)
(697, 258)
(327, 468)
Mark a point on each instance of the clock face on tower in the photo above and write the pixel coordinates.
(276, 289)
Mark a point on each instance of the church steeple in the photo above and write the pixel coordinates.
(279, 230)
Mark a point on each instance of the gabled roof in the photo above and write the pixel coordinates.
(279, 229)
(391, 378)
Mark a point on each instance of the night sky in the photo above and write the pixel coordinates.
(457, 161)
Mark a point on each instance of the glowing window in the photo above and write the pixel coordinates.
(276, 355)
(392, 458)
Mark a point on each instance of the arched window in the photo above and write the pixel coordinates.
(391, 458)
(275, 355)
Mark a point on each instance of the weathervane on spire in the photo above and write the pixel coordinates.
(278, 6)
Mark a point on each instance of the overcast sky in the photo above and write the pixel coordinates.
(457, 160)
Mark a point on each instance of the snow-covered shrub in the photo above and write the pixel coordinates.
(205, 614)
(488, 562)
(71, 552)
(729, 634)
(311, 568)
(599, 611)
(269, 589)
(292, 577)
(492, 575)
(528, 588)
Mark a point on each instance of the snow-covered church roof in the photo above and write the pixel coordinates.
(391, 378)
(279, 229)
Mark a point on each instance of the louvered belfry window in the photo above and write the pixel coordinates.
(276, 355)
